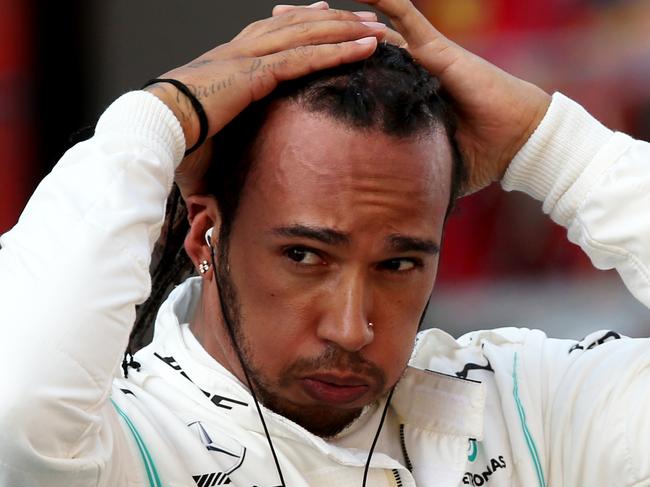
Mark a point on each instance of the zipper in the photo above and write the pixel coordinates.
(398, 478)
(402, 442)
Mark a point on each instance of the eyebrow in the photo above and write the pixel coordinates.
(396, 242)
(321, 234)
(404, 243)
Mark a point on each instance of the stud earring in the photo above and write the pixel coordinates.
(204, 266)
(370, 325)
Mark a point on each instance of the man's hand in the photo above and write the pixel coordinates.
(496, 111)
(231, 76)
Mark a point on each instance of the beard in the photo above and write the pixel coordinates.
(321, 420)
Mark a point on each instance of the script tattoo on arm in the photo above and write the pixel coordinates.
(204, 91)
(261, 69)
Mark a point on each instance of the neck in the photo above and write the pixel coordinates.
(209, 328)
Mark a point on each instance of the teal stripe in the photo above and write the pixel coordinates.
(522, 418)
(149, 465)
(474, 453)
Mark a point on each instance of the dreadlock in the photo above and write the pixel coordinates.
(170, 265)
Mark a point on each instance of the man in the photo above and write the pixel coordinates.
(312, 287)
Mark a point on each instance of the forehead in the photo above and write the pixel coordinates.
(313, 169)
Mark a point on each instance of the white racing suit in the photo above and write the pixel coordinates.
(498, 408)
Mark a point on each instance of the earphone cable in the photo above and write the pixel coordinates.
(231, 333)
(374, 441)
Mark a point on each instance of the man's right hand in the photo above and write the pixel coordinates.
(231, 76)
(497, 112)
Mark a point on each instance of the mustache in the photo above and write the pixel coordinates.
(335, 358)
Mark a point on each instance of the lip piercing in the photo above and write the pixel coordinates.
(204, 266)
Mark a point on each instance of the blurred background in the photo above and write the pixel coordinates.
(504, 263)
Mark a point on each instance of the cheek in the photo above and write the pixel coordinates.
(274, 316)
(268, 298)
(273, 297)
(397, 312)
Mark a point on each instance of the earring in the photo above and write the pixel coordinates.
(370, 325)
(204, 266)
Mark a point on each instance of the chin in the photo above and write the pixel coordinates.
(323, 421)
(319, 419)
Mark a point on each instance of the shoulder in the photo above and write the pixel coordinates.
(545, 364)
(597, 416)
(439, 351)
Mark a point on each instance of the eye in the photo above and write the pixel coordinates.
(303, 256)
(400, 265)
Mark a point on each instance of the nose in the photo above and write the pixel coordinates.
(345, 317)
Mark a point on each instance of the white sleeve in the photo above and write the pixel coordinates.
(596, 183)
(71, 272)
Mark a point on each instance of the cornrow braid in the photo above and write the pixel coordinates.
(170, 265)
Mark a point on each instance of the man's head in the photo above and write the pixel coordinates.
(332, 195)
(387, 92)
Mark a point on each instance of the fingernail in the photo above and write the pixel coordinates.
(374, 25)
(371, 16)
(367, 40)
(318, 5)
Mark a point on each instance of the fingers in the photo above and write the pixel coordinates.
(300, 26)
(431, 49)
(299, 16)
(393, 37)
(408, 20)
(281, 9)
(313, 33)
(389, 35)
(266, 72)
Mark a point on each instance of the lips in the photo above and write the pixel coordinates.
(333, 389)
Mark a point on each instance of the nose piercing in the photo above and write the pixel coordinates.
(204, 266)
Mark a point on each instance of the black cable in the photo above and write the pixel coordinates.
(374, 441)
(231, 333)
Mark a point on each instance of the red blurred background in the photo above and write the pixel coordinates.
(17, 175)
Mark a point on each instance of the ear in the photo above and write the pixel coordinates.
(203, 214)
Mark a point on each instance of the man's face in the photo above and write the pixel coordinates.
(337, 228)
